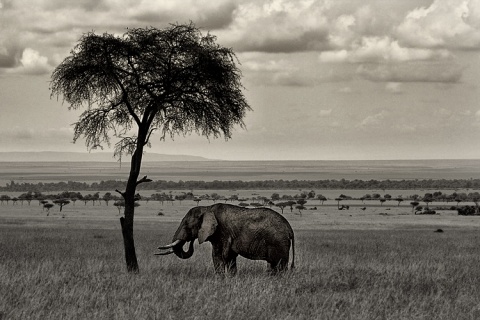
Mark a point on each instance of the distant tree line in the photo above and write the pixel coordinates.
(328, 184)
(296, 201)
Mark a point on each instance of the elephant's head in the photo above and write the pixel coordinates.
(199, 222)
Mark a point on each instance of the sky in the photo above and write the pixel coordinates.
(326, 79)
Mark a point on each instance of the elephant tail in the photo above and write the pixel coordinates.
(292, 266)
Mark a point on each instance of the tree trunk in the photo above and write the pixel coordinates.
(127, 221)
(129, 244)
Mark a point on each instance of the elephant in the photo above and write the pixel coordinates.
(256, 234)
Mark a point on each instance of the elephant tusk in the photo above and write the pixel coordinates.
(164, 253)
(168, 246)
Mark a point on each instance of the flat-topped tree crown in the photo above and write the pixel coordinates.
(173, 80)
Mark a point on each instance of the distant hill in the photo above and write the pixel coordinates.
(51, 156)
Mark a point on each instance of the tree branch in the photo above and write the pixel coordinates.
(122, 193)
(129, 106)
(144, 179)
(148, 136)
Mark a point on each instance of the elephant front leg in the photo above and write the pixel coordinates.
(231, 266)
(218, 264)
(218, 261)
(224, 260)
(222, 266)
(230, 258)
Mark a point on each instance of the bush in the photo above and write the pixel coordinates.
(429, 211)
(421, 210)
(467, 211)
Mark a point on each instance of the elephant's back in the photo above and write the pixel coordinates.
(261, 218)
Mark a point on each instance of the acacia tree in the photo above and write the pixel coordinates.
(321, 198)
(174, 81)
(399, 199)
(414, 204)
(281, 205)
(61, 203)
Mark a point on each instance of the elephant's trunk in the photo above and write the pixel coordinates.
(182, 254)
(179, 240)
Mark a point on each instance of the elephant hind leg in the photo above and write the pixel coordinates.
(279, 266)
(278, 258)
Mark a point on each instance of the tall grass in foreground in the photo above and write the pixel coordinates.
(396, 274)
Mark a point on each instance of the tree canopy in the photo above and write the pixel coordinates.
(173, 80)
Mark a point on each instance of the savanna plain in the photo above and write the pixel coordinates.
(382, 262)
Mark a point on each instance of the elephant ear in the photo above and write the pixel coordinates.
(209, 225)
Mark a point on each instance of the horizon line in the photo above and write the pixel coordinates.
(209, 159)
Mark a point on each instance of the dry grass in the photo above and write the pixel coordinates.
(72, 268)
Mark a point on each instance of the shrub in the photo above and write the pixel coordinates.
(467, 211)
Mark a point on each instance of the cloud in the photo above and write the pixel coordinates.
(33, 63)
(308, 25)
(218, 17)
(405, 128)
(411, 72)
(325, 113)
(297, 78)
(279, 26)
(381, 49)
(345, 90)
(338, 32)
(205, 14)
(299, 70)
(18, 133)
(394, 87)
(292, 80)
(23, 134)
(342, 32)
(476, 119)
(10, 54)
(443, 24)
(374, 49)
(86, 5)
(5, 4)
(271, 65)
(28, 62)
(266, 71)
(338, 56)
(61, 23)
(282, 42)
(374, 120)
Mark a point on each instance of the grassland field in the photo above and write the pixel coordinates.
(379, 263)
